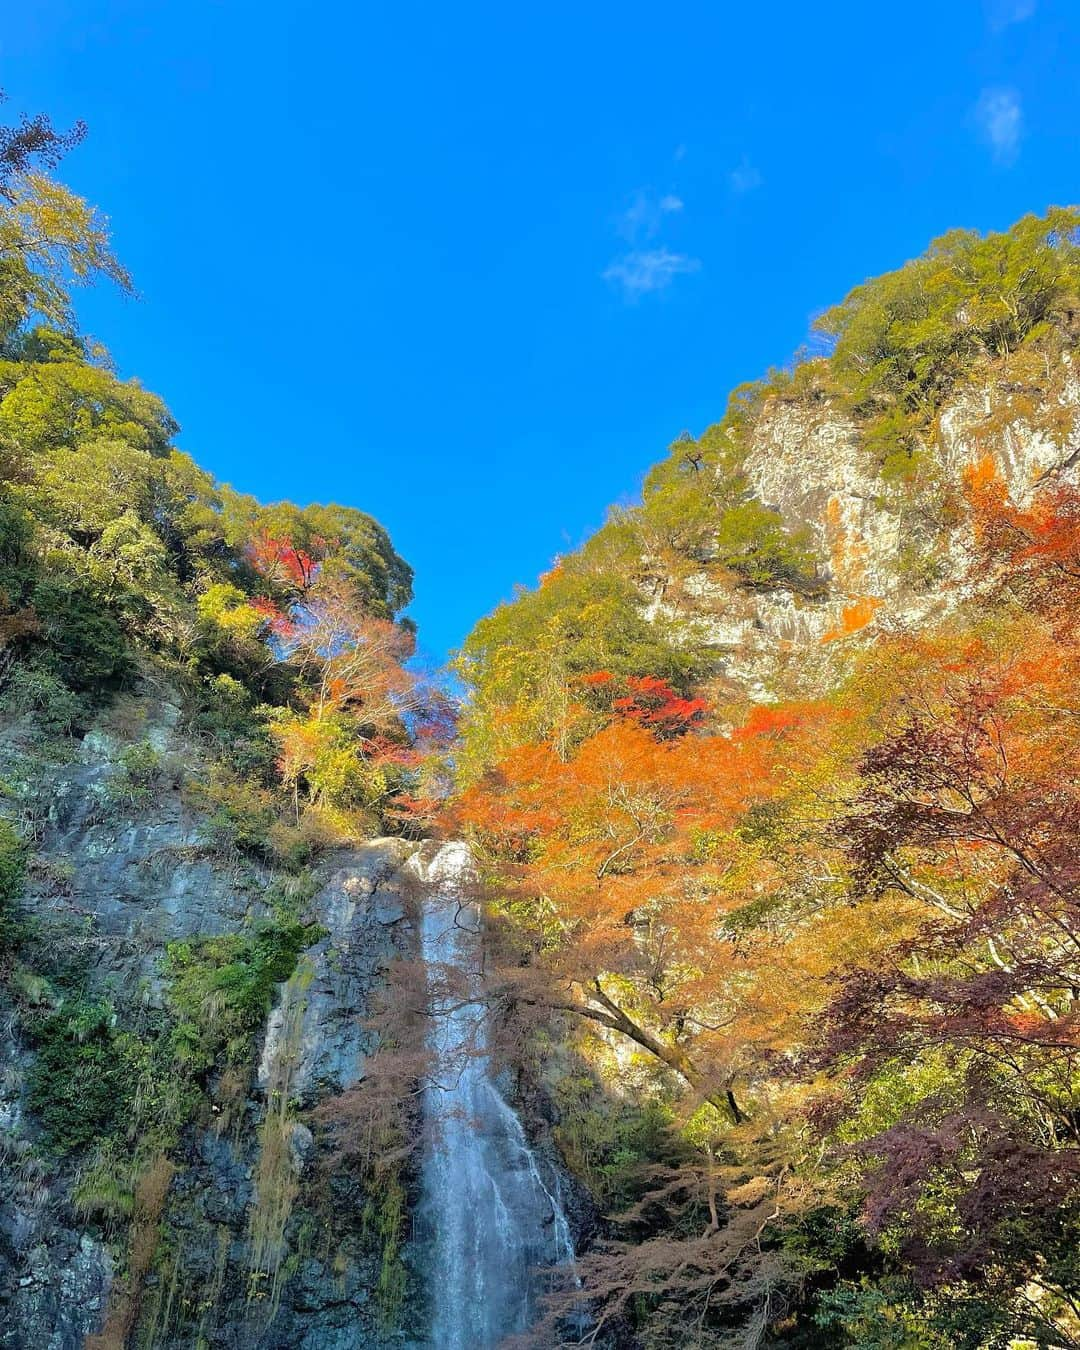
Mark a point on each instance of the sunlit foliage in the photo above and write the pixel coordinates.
(843, 932)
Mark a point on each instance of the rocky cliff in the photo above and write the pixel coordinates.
(232, 1237)
(893, 554)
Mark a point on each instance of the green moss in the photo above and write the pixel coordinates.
(12, 879)
(290, 896)
(384, 1219)
(105, 1187)
(221, 988)
(96, 1082)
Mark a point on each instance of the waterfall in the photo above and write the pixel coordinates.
(490, 1215)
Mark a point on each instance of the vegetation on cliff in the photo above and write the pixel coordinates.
(826, 947)
(130, 580)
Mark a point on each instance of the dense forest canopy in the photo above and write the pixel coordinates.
(815, 950)
(116, 549)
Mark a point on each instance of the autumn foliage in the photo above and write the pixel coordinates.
(847, 931)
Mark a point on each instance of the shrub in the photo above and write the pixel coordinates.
(223, 713)
(85, 643)
(752, 541)
(239, 814)
(32, 688)
(80, 1086)
(16, 530)
(613, 1146)
(133, 781)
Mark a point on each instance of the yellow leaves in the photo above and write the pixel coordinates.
(227, 607)
(63, 231)
(751, 1192)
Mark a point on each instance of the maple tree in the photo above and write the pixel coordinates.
(283, 563)
(850, 929)
(624, 865)
(350, 742)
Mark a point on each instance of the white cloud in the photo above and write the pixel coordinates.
(745, 178)
(642, 272)
(647, 265)
(1000, 120)
(1003, 13)
(642, 219)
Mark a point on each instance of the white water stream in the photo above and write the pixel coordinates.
(490, 1215)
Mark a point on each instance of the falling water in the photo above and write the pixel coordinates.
(489, 1217)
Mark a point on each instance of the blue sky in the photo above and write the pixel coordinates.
(472, 267)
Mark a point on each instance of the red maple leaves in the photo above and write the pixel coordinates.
(647, 700)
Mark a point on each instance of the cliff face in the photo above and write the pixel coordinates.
(251, 1247)
(894, 555)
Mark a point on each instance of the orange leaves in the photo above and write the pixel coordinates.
(348, 745)
(781, 719)
(645, 699)
(22, 623)
(355, 661)
(626, 862)
(626, 813)
(654, 704)
(1032, 552)
(506, 808)
(983, 481)
(854, 617)
(281, 625)
(552, 574)
(626, 779)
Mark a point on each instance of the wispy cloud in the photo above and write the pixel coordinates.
(645, 271)
(1004, 13)
(644, 216)
(1000, 120)
(648, 265)
(745, 178)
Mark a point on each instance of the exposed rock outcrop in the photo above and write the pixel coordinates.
(893, 555)
(112, 884)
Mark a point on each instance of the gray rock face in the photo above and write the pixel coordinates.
(115, 883)
(892, 558)
(61, 1294)
(360, 905)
